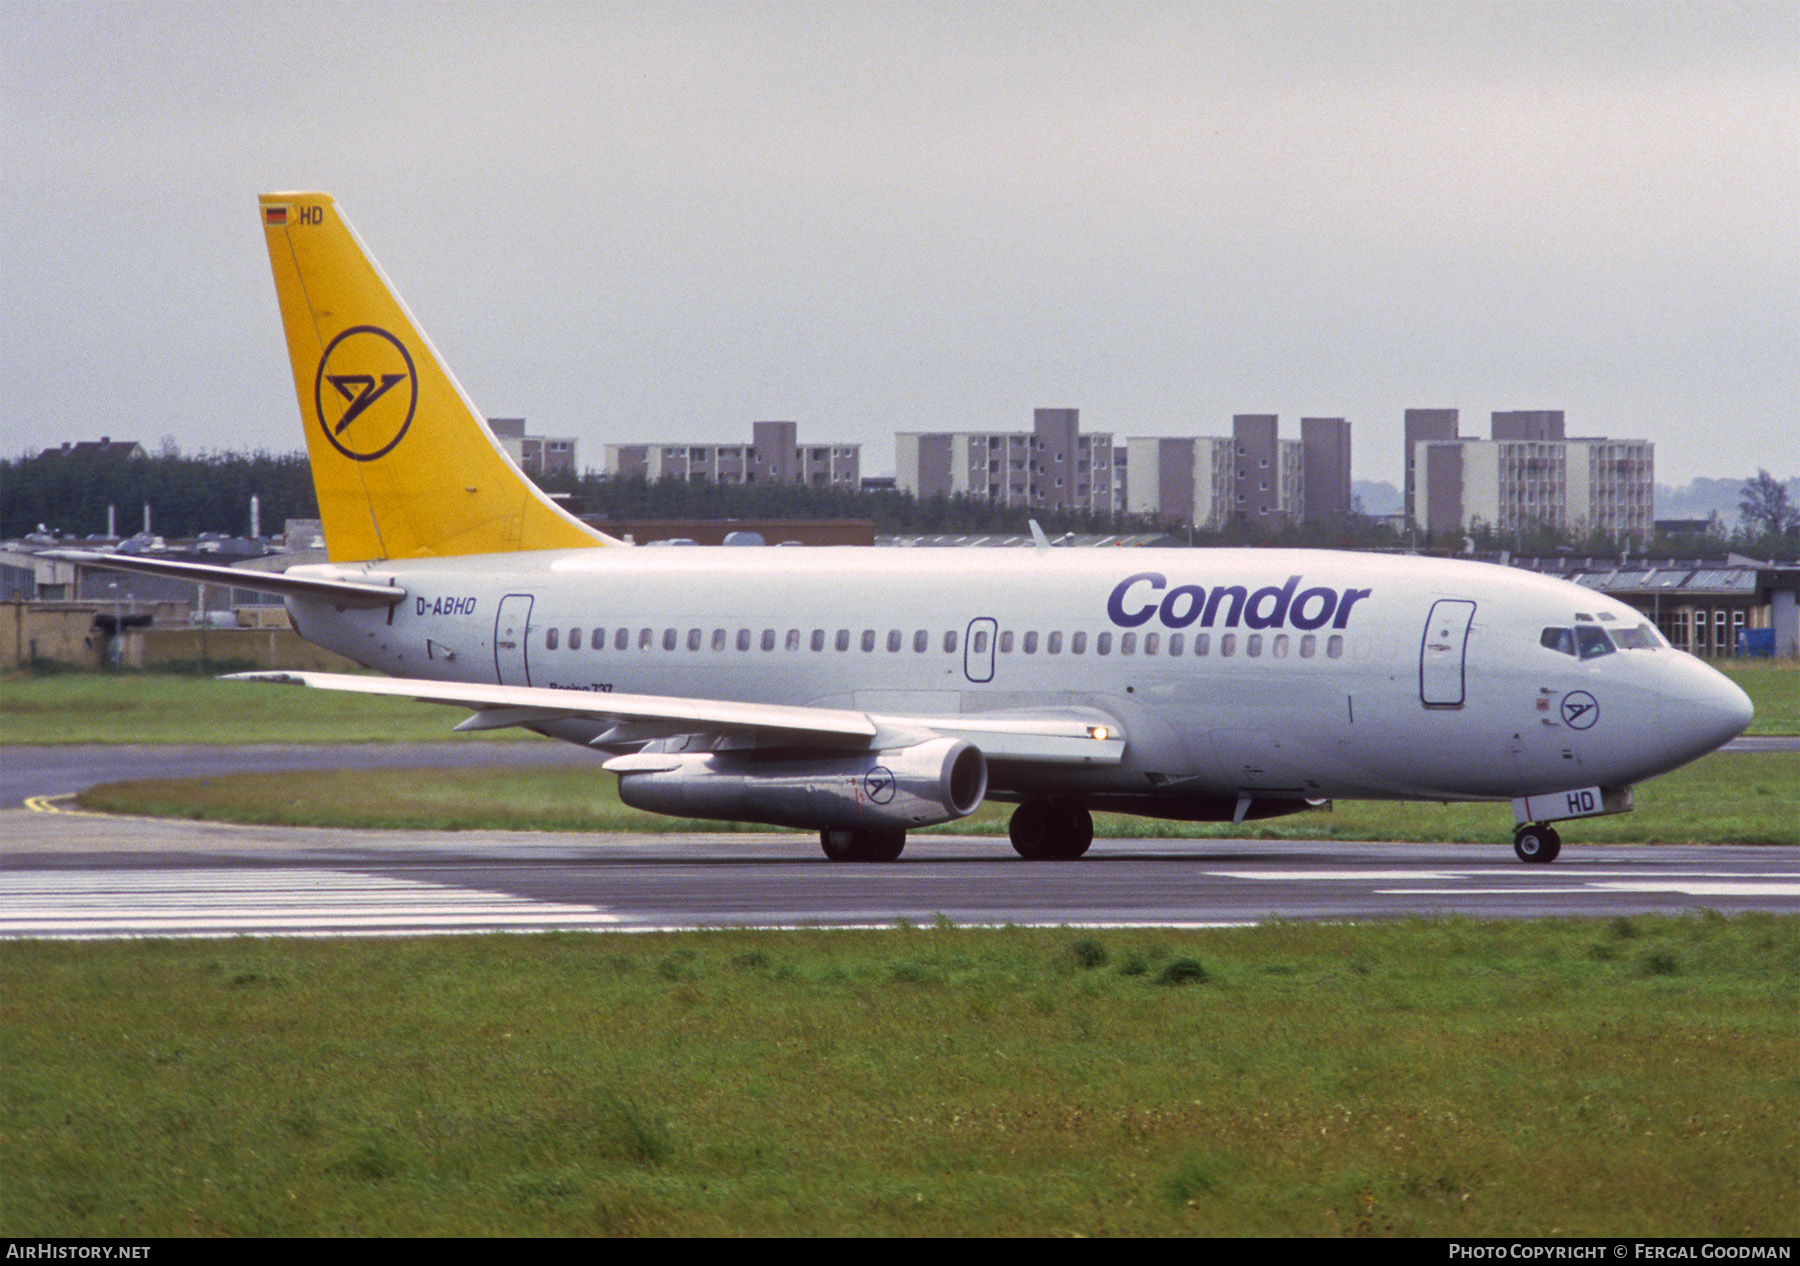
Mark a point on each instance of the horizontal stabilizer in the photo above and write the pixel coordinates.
(345, 593)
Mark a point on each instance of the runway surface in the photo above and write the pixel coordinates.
(65, 874)
(70, 875)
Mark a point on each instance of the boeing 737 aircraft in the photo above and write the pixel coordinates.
(864, 692)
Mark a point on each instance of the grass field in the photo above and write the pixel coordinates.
(170, 708)
(166, 708)
(1440, 1078)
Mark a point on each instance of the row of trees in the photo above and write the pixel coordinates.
(69, 493)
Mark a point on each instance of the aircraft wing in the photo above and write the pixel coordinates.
(345, 593)
(1053, 736)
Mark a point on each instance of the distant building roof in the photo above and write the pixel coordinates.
(1089, 540)
(105, 446)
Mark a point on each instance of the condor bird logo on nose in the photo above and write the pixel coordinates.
(365, 392)
(1580, 710)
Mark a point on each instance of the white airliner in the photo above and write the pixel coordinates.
(864, 692)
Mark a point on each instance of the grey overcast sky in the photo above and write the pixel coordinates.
(638, 221)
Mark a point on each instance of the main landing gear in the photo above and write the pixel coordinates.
(1535, 842)
(862, 846)
(1051, 830)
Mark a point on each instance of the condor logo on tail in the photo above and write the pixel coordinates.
(365, 392)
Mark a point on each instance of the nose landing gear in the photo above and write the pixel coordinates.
(1535, 842)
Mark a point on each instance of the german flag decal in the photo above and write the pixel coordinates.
(274, 217)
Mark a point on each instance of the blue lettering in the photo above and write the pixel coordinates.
(1327, 599)
(1271, 607)
(1196, 598)
(1236, 594)
(1276, 616)
(1349, 600)
(1115, 605)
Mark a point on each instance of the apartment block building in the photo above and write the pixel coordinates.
(774, 455)
(1188, 479)
(1528, 474)
(536, 455)
(1253, 479)
(1053, 466)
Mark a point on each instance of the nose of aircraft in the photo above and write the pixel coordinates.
(1701, 710)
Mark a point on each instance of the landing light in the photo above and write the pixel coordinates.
(1099, 732)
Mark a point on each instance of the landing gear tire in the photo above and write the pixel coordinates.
(1050, 830)
(862, 846)
(1536, 843)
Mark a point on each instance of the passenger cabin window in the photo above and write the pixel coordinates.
(818, 639)
(743, 639)
(868, 639)
(768, 639)
(893, 640)
(1078, 643)
(550, 636)
(921, 642)
(694, 638)
(574, 639)
(1053, 644)
(843, 639)
(718, 639)
(598, 641)
(622, 640)
(668, 639)
(793, 639)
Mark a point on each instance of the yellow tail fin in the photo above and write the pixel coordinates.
(403, 464)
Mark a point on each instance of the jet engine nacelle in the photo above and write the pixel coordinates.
(922, 785)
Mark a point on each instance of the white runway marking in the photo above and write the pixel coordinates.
(1510, 882)
(82, 904)
(1773, 887)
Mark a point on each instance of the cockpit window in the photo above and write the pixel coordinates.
(1641, 638)
(1558, 640)
(1592, 641)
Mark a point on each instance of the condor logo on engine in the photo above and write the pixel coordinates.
(1133, 603)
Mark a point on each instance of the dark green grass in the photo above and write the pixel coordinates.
(1774, 686)
(1739, 798)
(1468, 1078)
(132, 707)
